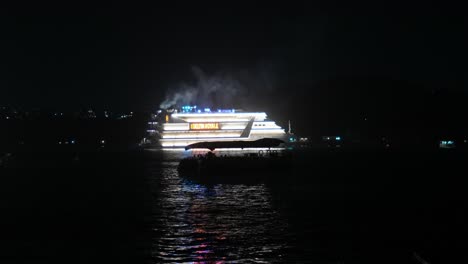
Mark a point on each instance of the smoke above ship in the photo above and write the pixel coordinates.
(221, 90)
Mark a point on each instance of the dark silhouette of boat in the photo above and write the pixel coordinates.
(260, 143)
(266, 164)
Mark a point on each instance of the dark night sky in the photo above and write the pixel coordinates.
(327, 57)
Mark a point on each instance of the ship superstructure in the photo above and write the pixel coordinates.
(188, 125)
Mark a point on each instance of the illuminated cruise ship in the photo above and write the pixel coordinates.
(178, 128)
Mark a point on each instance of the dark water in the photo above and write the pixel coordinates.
(344, 207)
(199, 223)
(332, 207)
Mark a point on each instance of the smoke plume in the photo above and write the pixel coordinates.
(221, 90)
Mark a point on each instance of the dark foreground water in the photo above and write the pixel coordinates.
(332, 207)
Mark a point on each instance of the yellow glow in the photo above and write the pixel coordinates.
(200, 135)
(204, 126)
(167, 118)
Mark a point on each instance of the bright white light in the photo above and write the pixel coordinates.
(233, 126)
(174, 149)
(201, 135)
(256, 114)
(176, 126)
(269, 131)
(181, 149)
(214, 119)
(174, 144)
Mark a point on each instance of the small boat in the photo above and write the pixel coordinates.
(236, 166)
(265, 143)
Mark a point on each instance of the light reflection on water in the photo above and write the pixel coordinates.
(213, 224)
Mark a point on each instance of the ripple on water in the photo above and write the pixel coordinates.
(198, 223)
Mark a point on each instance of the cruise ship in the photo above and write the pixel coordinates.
(177, 128)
